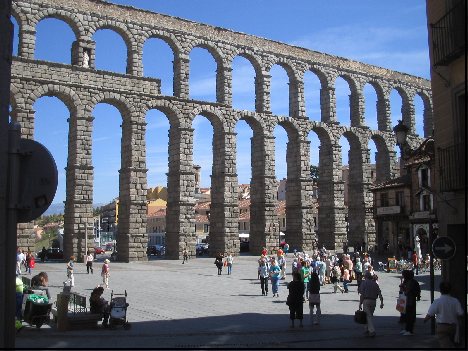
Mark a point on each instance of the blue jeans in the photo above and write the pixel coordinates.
(306, 290)
(19, 304)
(345, 284)
(274, 284)
(229, 268)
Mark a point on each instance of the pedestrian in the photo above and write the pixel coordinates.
(275, 272)
(415, 260)
(369, 292)
(41, 282)
(43, 254)
(335, 279)
(314, 298)
(282, 265)
(345, 280)
(184, 256)
(305, 274)
(448, 313)
(30, 262)
(229, 262)
(412, 291)
(264, 274)
(105, 273)
(219, 262)
(19, 260)
(98, 305)
(358, 271)
(70, 276)
(294, 300)
(89, 262)
(286, 248)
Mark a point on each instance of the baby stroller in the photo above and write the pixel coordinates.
(118, 311)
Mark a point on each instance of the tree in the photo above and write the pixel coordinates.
(314, 172)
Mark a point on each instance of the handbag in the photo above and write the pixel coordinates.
(360, 317)
(401, 303)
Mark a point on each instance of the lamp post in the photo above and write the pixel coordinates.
(401, 134)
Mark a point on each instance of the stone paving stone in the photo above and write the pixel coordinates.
(190, 306)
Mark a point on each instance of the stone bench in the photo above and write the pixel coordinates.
(77, 315)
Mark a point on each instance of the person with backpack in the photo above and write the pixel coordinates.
(412, 290)
(314, 298)
(335, 278)
(294, 300)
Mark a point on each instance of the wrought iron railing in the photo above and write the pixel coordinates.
(452, 173)
(448, 35)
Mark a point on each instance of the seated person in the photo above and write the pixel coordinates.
(40, 282)
(99, 305)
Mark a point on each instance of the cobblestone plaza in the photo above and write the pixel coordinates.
(190, 306)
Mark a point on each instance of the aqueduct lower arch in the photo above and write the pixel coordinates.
(81, 87)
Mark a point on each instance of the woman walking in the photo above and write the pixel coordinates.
(335, 278)
(229, 262)
(275, 272)
(294, 300)
(105, 273)
(358, 272)
(219, 262)
(314, 298)
(70, 277)
(89, 262)
(264, 274)
(305, 274)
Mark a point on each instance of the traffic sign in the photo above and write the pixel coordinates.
(443, 248)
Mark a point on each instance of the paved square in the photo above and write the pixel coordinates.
(190, 306)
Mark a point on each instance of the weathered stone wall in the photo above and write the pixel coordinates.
(80, 86)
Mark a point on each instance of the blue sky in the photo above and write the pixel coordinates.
(390, 34)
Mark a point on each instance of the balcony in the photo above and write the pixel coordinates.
(448, 36)
(452, 163)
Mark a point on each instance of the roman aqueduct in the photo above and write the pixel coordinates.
(80, 86)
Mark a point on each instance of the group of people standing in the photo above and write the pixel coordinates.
(24, 259)
(224, 260)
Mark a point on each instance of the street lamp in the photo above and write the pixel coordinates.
(401, 134)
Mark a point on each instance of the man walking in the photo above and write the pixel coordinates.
(369, 292)
(448, 312)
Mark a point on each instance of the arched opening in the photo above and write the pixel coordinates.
(370, 107)
(203, 166)
(16, 30)
(342, 93)
(344, 176)
(419, 115)
(396, 104)
(243, 84)
(244, 175)
(51, 130)
(312, 88)
(157, 141)
(157, 63)
(111, 51)
(281, 174)
(279, 91)
(315, 174)
(202, 75)
(107, 161)
(54, 39)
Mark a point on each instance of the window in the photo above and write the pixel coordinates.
(206, 228)
(239, 226)
(383, 199)
(426, 202)
(424, 177)
(284, 222)
(399, 198)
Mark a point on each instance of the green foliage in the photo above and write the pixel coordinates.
(55, 218)
(314, 172)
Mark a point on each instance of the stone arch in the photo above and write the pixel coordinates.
(68, 96)
(210, 47)
(115, 26)
(382, 158)
(169, 38)
(428, 121)
(407, 107)
(126, 109)
(171, 111)
(19, 15)
(249, 56)
(70, 18)
(212, 114)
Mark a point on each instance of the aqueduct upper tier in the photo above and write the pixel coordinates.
(80, 86)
